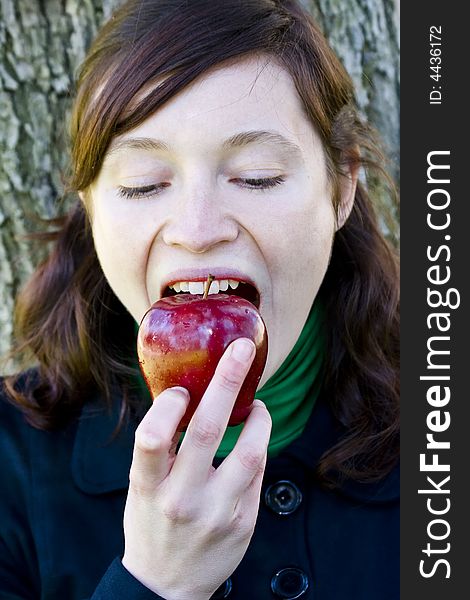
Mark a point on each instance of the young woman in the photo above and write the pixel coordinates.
(222, 138)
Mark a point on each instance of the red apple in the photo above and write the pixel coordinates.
(182, 338)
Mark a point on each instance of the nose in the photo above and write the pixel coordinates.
(199, 221)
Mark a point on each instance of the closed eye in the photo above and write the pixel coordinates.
(261, 183)
(151, 190)
(142, 191)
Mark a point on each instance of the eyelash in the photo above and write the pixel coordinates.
(260, 184)
(141, 192)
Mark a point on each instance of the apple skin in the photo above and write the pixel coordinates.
(181, 339)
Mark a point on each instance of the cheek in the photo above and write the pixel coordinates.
(120, 235)
(298, 256)
(121, 243)
(299, 245)
(112, 240)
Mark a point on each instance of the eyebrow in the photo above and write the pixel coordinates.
(137, 143)
(246, 138)
(239, 140)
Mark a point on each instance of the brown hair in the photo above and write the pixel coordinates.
(67, 316)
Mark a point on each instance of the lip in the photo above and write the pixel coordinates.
(201, 274)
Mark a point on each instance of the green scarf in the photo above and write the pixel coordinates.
(291, 392)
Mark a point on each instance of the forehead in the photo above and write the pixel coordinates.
(251, 94)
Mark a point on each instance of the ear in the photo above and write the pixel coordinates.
(348, 184)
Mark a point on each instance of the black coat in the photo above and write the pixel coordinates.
(63, 496)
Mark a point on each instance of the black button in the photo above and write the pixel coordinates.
(283, 497)
(289, 583)
(223, 591)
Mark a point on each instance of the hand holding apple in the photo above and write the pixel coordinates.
(182, 515)
(182, 338)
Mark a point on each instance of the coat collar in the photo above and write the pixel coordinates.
(101, 461)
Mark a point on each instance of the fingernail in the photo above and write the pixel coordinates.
(242, 350)
(180, 390)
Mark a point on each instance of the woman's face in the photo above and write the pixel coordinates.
(228, 178)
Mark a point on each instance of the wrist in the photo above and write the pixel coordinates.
(164, 593)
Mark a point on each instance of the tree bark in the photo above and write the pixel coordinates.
(41, 44)
(365, 35)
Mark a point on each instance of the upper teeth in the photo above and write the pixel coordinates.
(197, 287)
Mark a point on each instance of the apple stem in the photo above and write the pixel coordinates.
(207, 285)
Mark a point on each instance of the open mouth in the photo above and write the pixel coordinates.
(218, 286)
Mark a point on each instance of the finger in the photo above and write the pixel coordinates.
(156, 438)
(246, 506)
(209, 422)
(253, 492)
(243, 468)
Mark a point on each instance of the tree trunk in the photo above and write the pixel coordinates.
(41, 44)
(364, 34)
